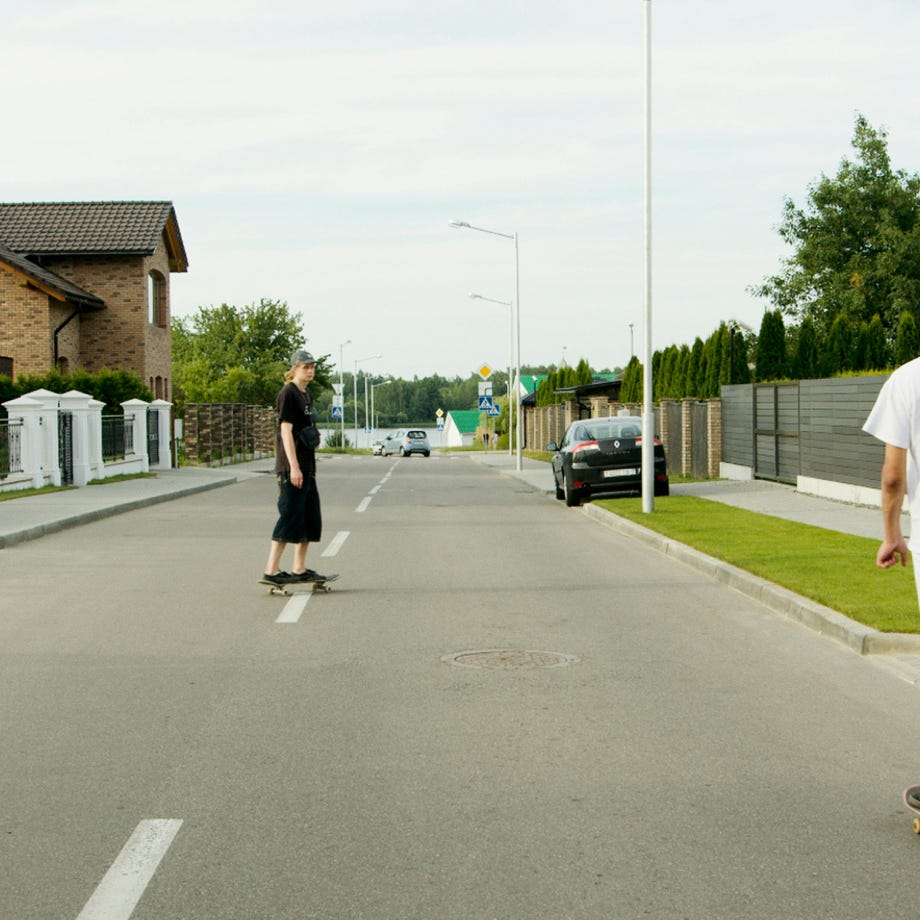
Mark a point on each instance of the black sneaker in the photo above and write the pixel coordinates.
(912, 796)
(308, 575)
(281, 578)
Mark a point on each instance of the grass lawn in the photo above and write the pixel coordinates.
(25, 493)
(834, 569)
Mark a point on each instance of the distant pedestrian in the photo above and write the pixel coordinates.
(895, 420)
(299, 516)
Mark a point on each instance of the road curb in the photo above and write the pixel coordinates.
(98, 514)
(828, 622)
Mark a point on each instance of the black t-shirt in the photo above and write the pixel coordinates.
(295, 406)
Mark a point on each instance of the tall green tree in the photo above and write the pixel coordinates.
(856, 242)
(839, 353)
(876, 356)
(907, 340)
(695, 369)
(770, 361)
(632, 386)
(238, 354)
(806, 362)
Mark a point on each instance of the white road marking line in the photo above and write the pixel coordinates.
(293, 609)
(376, 489)
(333, 548)
(122, 886)
(364, 503)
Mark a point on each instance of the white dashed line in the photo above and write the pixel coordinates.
(293, 609)
(337, 542)
(122, 886)
(364, 503)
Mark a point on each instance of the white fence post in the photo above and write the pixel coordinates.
(163, 410)
(78, 405)
(29, 412)
(47, 447)
(94, 436)
(138, 409)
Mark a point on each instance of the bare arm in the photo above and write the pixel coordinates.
(290, 451)
(894, 485)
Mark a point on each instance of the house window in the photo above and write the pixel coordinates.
(6, 366)
(156, 299)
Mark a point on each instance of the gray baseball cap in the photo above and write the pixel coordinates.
(302, 356)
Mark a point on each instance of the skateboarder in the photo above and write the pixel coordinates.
(299, 516)
(895, 420)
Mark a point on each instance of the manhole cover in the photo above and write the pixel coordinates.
(507, 659)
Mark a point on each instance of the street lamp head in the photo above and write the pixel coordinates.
(457, 224)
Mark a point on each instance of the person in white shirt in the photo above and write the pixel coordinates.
(895, 420)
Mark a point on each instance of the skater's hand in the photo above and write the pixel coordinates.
(891, 552)
(296, 478)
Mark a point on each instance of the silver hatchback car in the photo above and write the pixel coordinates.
(405, 443)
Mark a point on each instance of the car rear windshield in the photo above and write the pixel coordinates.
(604, 429)
(416, 434)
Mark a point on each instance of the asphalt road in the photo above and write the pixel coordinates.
(702, 758)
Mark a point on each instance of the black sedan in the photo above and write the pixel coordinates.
(602, 456)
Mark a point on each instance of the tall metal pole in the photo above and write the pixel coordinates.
(456, 224)
(517, 390)
(648, 412)
(342, 392)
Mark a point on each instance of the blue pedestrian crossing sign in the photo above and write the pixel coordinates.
(337, 412)
(494, 411)
(486, 404)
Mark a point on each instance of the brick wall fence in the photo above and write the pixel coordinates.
(690, 430)
(219, 433)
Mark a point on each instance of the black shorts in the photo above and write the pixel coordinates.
(299, 517)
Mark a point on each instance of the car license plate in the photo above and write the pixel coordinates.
(610, 474)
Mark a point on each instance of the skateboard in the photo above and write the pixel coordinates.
(913, 808)
(324, 585)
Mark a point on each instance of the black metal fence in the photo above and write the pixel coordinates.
(10, 447)
(117, 437)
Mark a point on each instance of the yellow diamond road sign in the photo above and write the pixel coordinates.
(485, 372)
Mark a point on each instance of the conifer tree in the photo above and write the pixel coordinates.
(805, 362)
(907, 341)
(771, 347)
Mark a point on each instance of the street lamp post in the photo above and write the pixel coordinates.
(374, 386)
(462, 224)
(648, 414)
(510, 305)
(342, 394)
(355, 382)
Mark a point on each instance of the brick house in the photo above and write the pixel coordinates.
(86, 285)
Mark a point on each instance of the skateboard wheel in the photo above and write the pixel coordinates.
(917, 825)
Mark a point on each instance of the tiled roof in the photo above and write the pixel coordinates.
(48, 281)
(89, 227)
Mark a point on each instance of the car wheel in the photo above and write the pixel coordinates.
(572, 496)
(663, 488)
(402, 452)
(427, 453)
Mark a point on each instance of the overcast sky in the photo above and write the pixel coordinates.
(315, 152)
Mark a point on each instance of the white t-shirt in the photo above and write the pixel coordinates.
(895, 419)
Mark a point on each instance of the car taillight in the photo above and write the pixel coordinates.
(655, 441)
(579, 450)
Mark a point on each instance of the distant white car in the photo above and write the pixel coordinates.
(406, 443)
(377, 448)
